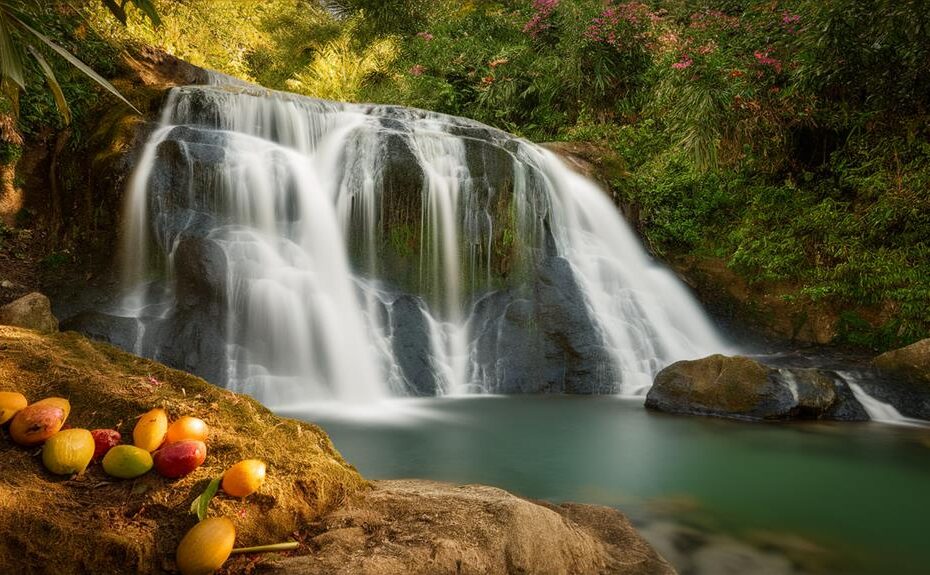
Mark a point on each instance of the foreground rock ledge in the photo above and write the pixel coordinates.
(427, 528)
(92, 524)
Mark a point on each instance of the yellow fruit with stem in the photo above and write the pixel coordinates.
(206, 546)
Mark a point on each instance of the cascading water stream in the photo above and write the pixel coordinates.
(344, 252)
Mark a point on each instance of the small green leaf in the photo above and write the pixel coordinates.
(200, 505)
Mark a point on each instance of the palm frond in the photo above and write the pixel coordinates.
(53, 85)
(11, 59)
(77, 63)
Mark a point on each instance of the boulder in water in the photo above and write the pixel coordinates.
(32, 311)
(742, 388)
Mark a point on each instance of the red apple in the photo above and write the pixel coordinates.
(178, 459)
(104, 440)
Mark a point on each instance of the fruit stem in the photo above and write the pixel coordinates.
(289, 546)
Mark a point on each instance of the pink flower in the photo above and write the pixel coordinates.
(417, 70)
(539, 22)
(425, 36)
(790, 21)
(764, 59)
(683, 62)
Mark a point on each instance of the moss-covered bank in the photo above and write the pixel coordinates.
(92, 524)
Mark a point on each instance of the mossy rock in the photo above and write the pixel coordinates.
(95, 524)
(912, 363)
(742, 388)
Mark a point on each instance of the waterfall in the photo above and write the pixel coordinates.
(301, 250)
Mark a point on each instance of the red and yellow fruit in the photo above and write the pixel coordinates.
(68, 452)
(187, 427)
(206, 546)
(178, 459)
(104, 441)
(151, 430)
(10, 403)
(35, 423)
(127, 462)
(244, 478)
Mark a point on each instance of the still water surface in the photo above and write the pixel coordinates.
(714, 496)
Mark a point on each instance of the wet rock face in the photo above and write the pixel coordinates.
(742, 388)
(410, 338)
(543, 341)
(32, 311)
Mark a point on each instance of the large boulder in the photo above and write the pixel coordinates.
(742, 388)
(32, 311)
(911, 363)
(426, 528)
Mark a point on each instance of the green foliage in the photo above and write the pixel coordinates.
(339, 70)
(23, 26)
(790, 137)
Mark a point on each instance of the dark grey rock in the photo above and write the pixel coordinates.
(123, 332)
(542, 341)
(410, 339)
(200, 267)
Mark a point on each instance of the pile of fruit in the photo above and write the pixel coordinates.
(174, 450)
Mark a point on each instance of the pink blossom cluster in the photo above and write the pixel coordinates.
(417, 70)
(606, 28)
(764, 59)
(790, 21)
(539, 23)
(684, 61)
(425, 36)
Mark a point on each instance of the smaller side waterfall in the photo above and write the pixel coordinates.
(877, 410)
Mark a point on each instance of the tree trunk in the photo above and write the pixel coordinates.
(11, 197)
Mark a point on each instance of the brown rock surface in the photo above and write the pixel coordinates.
(415, 527)
(912, 362)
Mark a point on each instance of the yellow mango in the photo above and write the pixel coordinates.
(68, 452)
(206, 546)
(244, 478)
(10, 403)
(151, 430)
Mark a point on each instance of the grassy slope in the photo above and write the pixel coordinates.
(94, 524)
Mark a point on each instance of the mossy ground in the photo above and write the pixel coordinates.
(94, 524)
